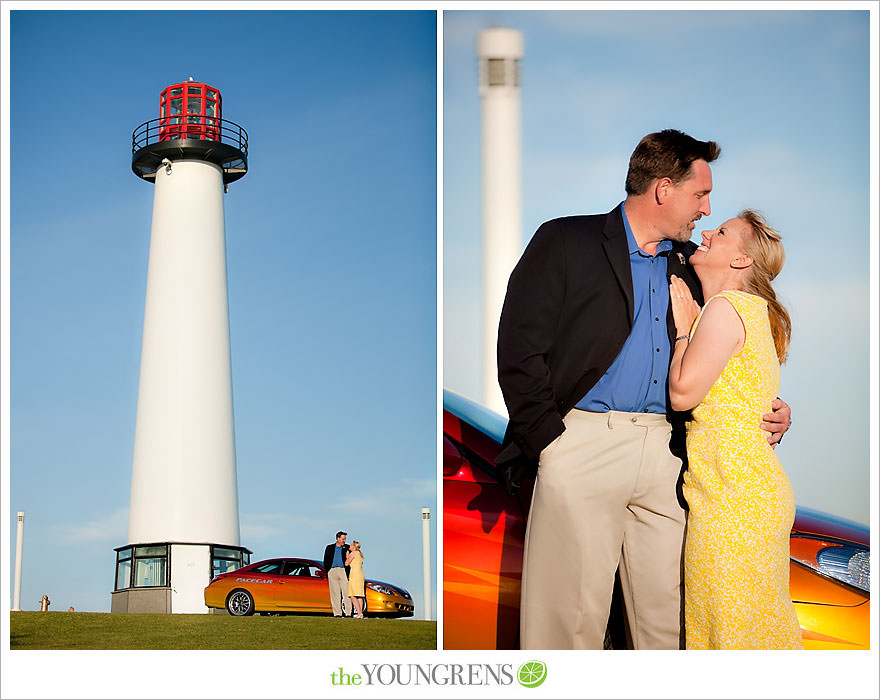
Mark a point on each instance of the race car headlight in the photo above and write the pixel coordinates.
(845, 562)
(378, 587)
(851, 565)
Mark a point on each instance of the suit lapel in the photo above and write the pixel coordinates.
(618, 257)
(678, 265)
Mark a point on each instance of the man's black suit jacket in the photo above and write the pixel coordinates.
(566, 315)
(328, 556)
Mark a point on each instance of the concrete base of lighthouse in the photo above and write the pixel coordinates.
(147, 600)
(170, 577)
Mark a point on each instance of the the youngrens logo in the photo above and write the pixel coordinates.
(531, 674)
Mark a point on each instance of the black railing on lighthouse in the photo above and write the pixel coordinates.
(218, 141)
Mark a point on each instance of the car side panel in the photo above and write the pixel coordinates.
(841, 627)
(483, 547)
(215, 594)
(306, 594)
(841, 621)
(266, 589)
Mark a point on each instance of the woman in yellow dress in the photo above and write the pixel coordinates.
(355, 560)
(725, 366)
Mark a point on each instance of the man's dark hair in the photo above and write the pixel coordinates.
(340, 533)
(668, 153)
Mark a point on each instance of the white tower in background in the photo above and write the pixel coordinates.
(183, 519)
(499, 51)
(19, 540)
(426, 560)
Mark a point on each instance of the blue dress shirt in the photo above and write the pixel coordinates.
(636, 380)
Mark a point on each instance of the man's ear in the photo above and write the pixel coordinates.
(662, 189)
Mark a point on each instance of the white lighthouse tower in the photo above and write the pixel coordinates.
(183, 518)
(499, 51)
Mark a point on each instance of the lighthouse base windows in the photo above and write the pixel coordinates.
(147, 563)
(170, 577)
(123, 568)
(225, 559)
(150, 566)
(142, 584)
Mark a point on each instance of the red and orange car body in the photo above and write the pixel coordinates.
(294, 585)
(484, 531)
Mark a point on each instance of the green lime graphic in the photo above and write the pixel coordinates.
(532, 673)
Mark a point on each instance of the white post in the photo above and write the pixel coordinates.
(426, 559)
(16, 591)
(499, 51)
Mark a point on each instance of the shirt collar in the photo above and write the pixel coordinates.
(662, 247)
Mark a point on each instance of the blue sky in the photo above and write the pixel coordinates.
(785, 94)
(331, 241)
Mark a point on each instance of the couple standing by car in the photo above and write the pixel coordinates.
(606, 356)
(345, 576)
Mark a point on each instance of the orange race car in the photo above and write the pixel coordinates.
(295, 586)
(484, 529)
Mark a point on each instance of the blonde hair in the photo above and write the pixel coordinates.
(765, 248)
(356, 546)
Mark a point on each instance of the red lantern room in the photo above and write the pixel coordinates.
(189, 110)
(190, 126)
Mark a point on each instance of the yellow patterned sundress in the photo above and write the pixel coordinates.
(356, 576)
(736, 559)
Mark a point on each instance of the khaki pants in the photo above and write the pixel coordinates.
(604, 498)
(338, 583)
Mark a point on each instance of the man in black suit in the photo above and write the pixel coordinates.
(583, 356)
(335, 555)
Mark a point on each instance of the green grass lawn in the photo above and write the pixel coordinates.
(63, 630)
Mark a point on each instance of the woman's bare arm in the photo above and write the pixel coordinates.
(697, 363)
